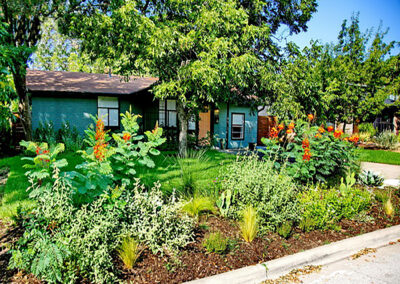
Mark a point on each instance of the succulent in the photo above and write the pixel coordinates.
(370, 178)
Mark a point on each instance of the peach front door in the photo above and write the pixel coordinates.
(204, 124)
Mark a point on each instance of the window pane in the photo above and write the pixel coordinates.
(237, 119)
(192, 123)
(171, 105)
(103, 115)
(113, 119)
(172, 119)
(161, 104)
(108, 102)
(161, 118)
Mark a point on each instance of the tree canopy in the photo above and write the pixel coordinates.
(203, 52)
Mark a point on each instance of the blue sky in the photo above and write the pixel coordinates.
(325, 23)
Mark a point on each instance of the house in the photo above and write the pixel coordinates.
(61, 97)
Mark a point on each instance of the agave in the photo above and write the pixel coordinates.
(370, 178)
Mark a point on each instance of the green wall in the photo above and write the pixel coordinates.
(77, 108)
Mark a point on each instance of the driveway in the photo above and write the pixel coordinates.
(379, 267)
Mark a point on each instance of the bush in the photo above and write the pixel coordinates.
(250, 181)
(311, 153)
(321, 209)
(216, 242)
(367, 127)
(62, 241)
(387, 140)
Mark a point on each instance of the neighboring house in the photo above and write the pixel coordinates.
(61, 97)
(389, 119)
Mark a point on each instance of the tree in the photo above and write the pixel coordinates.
(56, 51)
(202, 51)
(23, 19)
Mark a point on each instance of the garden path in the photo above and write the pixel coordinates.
(381, 266)
(387, 171)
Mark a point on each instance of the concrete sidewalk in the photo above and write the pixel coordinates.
(382, 266)
(387, 171)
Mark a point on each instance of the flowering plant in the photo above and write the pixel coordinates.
(131, 151)
(312, 152)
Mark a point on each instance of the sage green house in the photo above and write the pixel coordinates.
(73, 97)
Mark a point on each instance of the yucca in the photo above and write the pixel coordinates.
(129, 251)
(249, 226)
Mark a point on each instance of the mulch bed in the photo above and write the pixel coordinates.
(193, 262)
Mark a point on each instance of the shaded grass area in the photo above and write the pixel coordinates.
(14, 194)
(380, 156)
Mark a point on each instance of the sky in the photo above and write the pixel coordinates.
(326, 22)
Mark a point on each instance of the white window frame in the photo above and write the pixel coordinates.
(107, 104)
(242, 127)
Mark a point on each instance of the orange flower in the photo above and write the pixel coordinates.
(126, 137)
(305, 143)
(38, 150)
(337, 133)
(330, 128)
(273, 133)
(321, 129)
(289, 131)
(310, 117)
(354, 138)
(281, 126)
(291, 125)
(318, 135)
(307, 155)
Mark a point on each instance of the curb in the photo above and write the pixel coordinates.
(317, 256)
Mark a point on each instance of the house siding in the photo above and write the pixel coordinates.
(250, 131)
(77, 108)
(59, 110)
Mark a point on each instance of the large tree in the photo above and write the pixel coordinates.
(203, 51)
(23, 19)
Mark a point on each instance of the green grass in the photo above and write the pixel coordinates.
(380, 156)
(14, 193)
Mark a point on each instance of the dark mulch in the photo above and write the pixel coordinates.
(193, 262)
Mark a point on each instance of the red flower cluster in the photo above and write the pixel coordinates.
(100, 146)
(330, 128)
(274, 132)
(40, 151)
(126, 137)
(307, 155)
(354, 138)
(310, 117)
(305, 144)
(338, 133)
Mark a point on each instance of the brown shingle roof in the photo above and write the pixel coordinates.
(78, 82)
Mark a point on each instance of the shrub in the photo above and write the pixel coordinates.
(129, 252)
(216, 242)
(321, 209)
(248, 226)
(387, 140)
(45, 132)
(70, 136)
(197, 205)
(311, 153)
(367, 127)
(83, 239)
(285, 229)
(255, 182)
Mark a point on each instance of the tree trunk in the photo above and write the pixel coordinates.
(24, 108)
(183, 118)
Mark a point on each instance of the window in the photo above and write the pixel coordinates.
(108, 110)
(192, 123)
(237, 128)
(167, 115)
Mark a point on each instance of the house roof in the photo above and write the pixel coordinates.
(79, 82)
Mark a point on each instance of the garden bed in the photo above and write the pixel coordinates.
(193, 262)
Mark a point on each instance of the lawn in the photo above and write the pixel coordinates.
(203, 172)
(380, 156)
